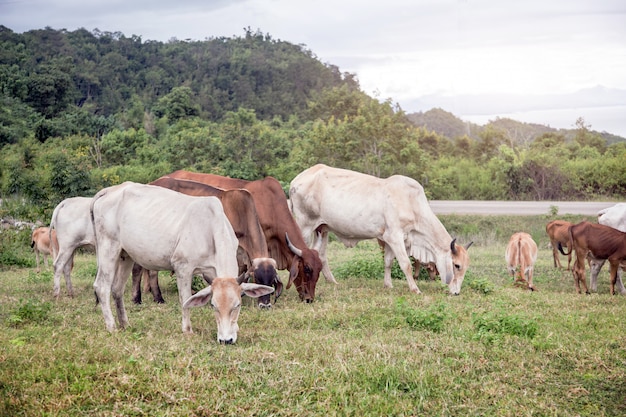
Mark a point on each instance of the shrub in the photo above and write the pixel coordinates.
(33, 311)
(431, 318)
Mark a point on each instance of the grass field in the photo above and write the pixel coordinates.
(359, 350)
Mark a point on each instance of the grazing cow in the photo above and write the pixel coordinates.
(283, 236)
(598, 242)
(521, 251)
(558, 232)
(161, 229)
(71, 221)
(43, 242)
(615, 217)
(239, 208)
(394, 210)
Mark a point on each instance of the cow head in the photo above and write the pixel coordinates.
(264, 270)
(460, 263)
(305, 271)
(225, 297)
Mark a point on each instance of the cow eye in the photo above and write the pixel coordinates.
(307, 269)
(457, 266)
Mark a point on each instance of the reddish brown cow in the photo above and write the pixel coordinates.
(599, 242)
(558, 232)
(241, 213)
(283, 236)
(40, 242)
(521, 251)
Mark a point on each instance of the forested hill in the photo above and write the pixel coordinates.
(80, 111)
(59, 74)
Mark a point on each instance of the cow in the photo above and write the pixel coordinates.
(239, 208)
(615, 217)
(598, 242)
(283, 236)
(557, 231)
(161, 229)
(521, 255)
(71, 222)
(43, 242)
(394, 210)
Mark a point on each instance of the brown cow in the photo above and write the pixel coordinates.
(282, 234)
(599, 242)
(521, 251)
(40, 242)
(558, 232)
(239, 209)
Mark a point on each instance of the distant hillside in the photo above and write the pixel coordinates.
(450, 126)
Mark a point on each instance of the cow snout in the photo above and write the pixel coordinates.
(229, 341)
(265, 306)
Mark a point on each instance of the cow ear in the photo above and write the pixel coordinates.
(255, 290)
(200, 298)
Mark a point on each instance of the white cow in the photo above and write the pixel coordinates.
(71, 220)
(394, 210)
(615, 217)
(161, 229)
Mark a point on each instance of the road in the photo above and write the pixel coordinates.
(521, 208)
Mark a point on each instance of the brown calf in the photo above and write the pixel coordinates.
(40, 242)
(558, 232)
(599, 242)
(521, 251)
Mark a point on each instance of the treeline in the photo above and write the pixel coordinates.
(83, 110)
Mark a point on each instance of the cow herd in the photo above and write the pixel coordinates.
(231, 231)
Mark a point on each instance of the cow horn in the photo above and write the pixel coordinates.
(468, 245)
(453, 247)
(243, 278)
(292, 247)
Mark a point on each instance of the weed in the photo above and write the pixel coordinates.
(431, 318)
(30, 311)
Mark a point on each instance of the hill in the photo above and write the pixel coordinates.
(450, 126)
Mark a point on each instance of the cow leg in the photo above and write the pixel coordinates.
(37, 259)
(530, 278)
(153, 282)
(399, 252)
(614, 268)
(117, 291)
(579, 273)
(137, 272)
(183, 282)
(596, 266)
(323, 245)
(620, 283)
(63, 265)
(555, 256)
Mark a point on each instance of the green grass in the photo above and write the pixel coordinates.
(359, 350)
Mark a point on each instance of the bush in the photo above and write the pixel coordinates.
(431, 319)
(33, 311)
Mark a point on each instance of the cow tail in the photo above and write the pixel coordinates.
(571, 243)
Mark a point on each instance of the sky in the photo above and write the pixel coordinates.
(537, 61)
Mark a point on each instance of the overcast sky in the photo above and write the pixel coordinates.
(474, 58)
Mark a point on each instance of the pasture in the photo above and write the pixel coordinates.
(358, 350)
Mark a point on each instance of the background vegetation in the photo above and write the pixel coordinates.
(83, 110)
(360, 349)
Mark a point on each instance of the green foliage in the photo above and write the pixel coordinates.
(431, 318)
(84, 110)
(15, 244)
(481, 285)
(30, 311)
(493, 325)
(370, 267)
